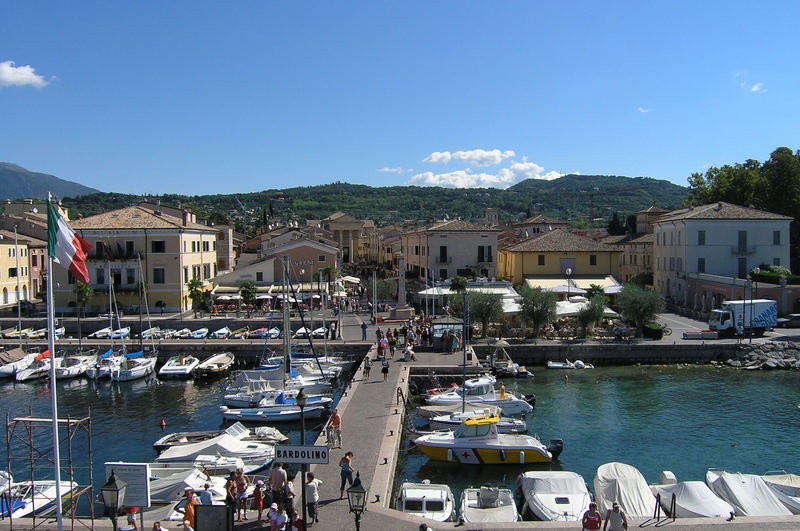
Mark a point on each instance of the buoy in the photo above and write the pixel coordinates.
(522, 458)
(163, 424)
(502, 455)
(449, 455)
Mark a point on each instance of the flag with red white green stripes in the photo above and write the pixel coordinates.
(66, 247)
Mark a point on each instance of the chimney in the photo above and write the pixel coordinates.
(185, 218)
(719, 206)
(158, 201)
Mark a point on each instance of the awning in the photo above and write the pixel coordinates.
(545, 282)
(569, 309)
(351, 280)
(566, 289)
(586, 282)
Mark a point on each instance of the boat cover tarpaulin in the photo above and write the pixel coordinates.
(555, 495)
(787, 488)
(10, 356)
(626, 485)
(43, 355)
(693, 499)
(223, 444)
(133, 355)
(748, 493)
(106, 354)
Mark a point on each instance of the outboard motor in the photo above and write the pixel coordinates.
(555, 447)
(531, 399)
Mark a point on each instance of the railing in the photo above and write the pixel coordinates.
(485, 259)
(668, 513)
(742, 251)
(444, 260)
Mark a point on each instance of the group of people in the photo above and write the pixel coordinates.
(615, 519)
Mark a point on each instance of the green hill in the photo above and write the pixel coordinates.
(18, 183)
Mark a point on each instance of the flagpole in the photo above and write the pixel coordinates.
(51, 345)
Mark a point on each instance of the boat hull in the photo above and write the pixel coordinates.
(485, 456)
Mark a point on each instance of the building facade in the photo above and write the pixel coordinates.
(14, 269)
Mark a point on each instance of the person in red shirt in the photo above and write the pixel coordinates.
(297, 522)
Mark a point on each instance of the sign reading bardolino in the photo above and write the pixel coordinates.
(298, 455)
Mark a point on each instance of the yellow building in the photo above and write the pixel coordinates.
(173, 251)
(14, 269)
(557, 254)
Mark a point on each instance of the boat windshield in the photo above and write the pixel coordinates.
(479, 391)
(414, 506)
(472, 431)
(434, 506)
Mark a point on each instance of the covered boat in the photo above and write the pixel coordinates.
(786, 487)
(181, 366)
(265, 434)
(488, 504)
(477, 441)
(747, 493)
(553, 495)
(222, 333)
(480, 391)
(132, 367)
(14, 360)
(256, 456)
(626, 485)
(427, 500)
(216, 365)
(693, 499)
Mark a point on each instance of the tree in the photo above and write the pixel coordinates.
(83, 294)
(195, 293)
(594, 289)
(639, 305)
(592, 312)
(484, 307)
(615, 225)
(458, 284)
(384, 289)
(247, 291)
(538, 307)
(630, 224)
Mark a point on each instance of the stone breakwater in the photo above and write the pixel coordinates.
(766, 356)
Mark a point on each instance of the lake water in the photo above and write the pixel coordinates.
(654, 418)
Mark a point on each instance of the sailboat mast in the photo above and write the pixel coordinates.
(110, 307)
(287, 331)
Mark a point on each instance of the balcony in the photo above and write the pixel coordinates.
(444, 259)
(742, 251)
(485, 260)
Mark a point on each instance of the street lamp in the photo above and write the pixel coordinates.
(113, 496)
(302, 400)
(357, 499)
(568, 272)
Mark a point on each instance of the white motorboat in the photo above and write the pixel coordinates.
(454, 420)
(181, 366)
(39, 497)
(102, 366)
(171, 485)
(786, 487)
(626, 485)
(489, 505)
(480, 391)
(301, 333)
(15, 333)
(183, 333)
(39, 333)
(553, 495)
(121, 333)
(265, 434)
(256, 456)
(153, 332)
(427, 500)
(40, 368)
(693, 499)
(216, 365)
(747, 493)
(319, 333)
(14, 360)
(502, 365)
(577, 364)
(477, 442)
(132, 367)
(256, 414)
(200, 333)
(75, 365)
(214, 464)
(222, 333)
(103, 333)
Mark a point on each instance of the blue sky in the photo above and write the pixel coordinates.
(203, 97)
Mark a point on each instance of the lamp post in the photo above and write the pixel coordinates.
(357, 499)
(302, 400)
(568, 273)
(113, 496)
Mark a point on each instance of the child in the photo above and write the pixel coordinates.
(258, 498)
(272, 515)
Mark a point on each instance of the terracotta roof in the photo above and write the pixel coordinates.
(721, 210)
(134, 218)
(559, 240)
(538, 219)
(653, 210)
(457, 225)
(642, 237)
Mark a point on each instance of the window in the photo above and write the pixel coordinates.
(541, 259)
(593, 259)
(158, 246)
(98, 250)
(776, 261)
(214, 245)
(100, 275)
(672, 263)
(321, 258)
(742, 267)
(207, 271)
(12, 272)
(206, 246)
(185, 275)
(671, 238)
(443, 274)
(34, 260)
(71, 278)
(776, 237)
(443, 254)
(194, 246)
(679, 238)
(158, 274)
(484, 253)
(680, 264)
(742, 241)
(259, 276)
(130, 275)
(129, 250)
(701, 265)
(701, 237)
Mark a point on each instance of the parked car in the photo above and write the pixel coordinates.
(790, 321)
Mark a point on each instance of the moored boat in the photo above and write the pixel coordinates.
(255, 414)
(180, 366)
(39, 497)
(747, 493)
(121, 333)
(481, 391)
(489, 505)
(690, 499)
(553, 495)
(102, 366)
(14, 360)
(200, 333)
(40, 368)
(786, 487)
(624, 484)
(217, 365)
(477, 441)
(454, 420)
(103, 333)
(75, 365)
(240, 333)
(427, 500)
(132, 367)
(222, 333)
(265, 434)
(256, 455)
(577, 364)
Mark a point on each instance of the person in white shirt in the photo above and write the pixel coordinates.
(312, 498)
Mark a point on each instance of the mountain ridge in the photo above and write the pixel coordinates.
(20, 183)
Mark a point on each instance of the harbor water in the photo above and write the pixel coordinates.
(683, 419)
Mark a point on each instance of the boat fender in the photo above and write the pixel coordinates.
(163, 424)
(502, 455)
(413, 389)
(522, 457)
(449, 455)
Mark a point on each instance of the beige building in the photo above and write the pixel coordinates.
(14, 269)
(173, 251)
(351, 235)
(538, 224)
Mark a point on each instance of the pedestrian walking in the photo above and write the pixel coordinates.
(188, 509)
(367, 367)
(385, 369)
(346, 463)
(312, 498)
(378, 335)
(242, 482)
(335, 429)
(392, 339)
(615, 519)
(363, 330)
(591, 519)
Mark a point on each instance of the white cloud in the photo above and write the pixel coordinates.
(758, 87)
(19, 76)
(474, 157)
(504, 178)
(642, 109)
(398, 170)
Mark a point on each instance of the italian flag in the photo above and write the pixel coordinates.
(66, 247)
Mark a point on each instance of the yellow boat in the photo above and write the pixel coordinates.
(477, 442)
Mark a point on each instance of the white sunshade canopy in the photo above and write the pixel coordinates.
(223, 298)
(569, 309)
(351, 280)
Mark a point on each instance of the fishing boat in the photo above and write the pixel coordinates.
(40, 368)
(200, 333)
(222, 333)
(75, 365)
(690, 499)
(240, 333)
(786, 487)
(427, 500)
(15, 333)
(102, 366)
(577, 364)
(14, 360)
(481, 391)
(624, 484)
(132, 367)
(302, 333)
(747, 493)
(181, 366)
(265, 434)
(453, 420)
(121, 333)
(501, 364)
(477, 442)
(103, 333)
(216, 365)
(488, 505)
(39, 497)
(256, 455)
(167, 333)
(264, 333)
(552, 495)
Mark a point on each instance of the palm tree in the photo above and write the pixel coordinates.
(247, 290)
(83, 294)
(594, 289)
(329, 272)
(458, 284)
(195, 293)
